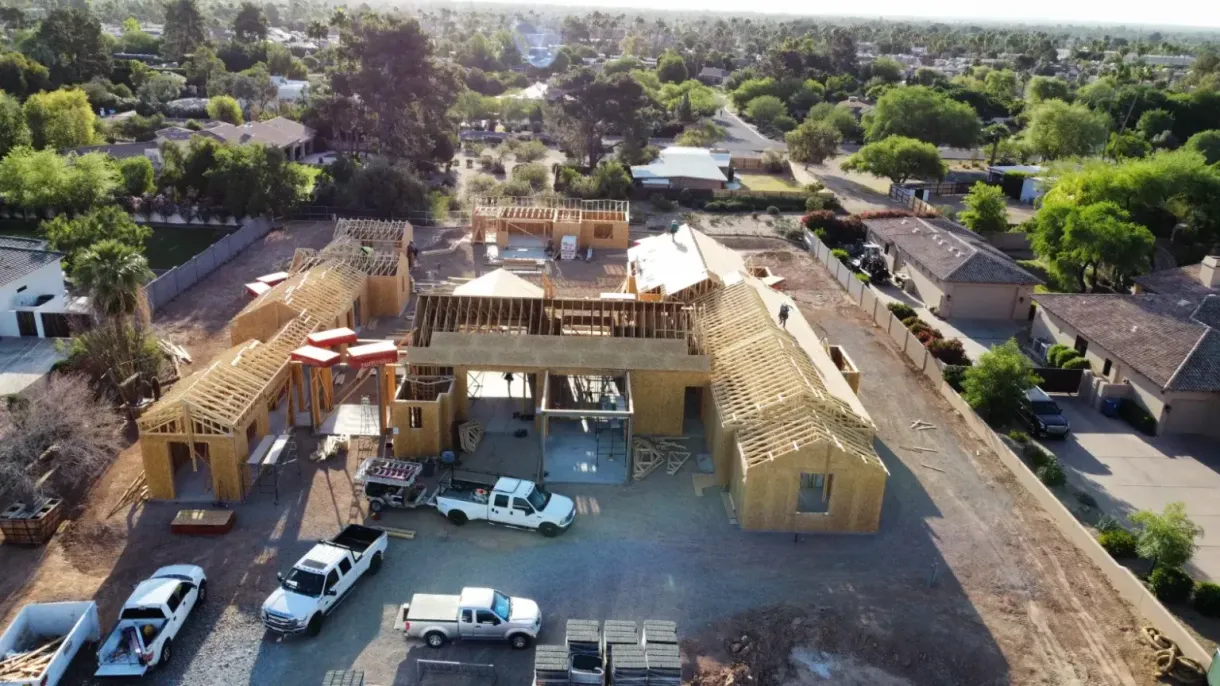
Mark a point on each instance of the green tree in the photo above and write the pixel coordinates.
(925, 114)
(32, 180)
(671, 68)
(595, 105)
(60, 119)
(73, 236)
(684, 111)
(986, 209)
(1076, 239)
(1057, 129)
(993, 135)
(137, 173)
(932, 78)
(13, 130)
(112, 273)
(69, 42)
(886, 70)
(1166, 539)
(704, 134)
(160, 89)
(809, 94)
(21, 76)
(996, 383)
(225, 108)
(813, 141)
(250, 24)
(765, 108)
(1002, 84)
(184, 31)
(1042, 88)
(536, 175)
(838, 117)
(898, 158)
(1127, 145)
(1206, 143)
(1154, 122)
(751, 89)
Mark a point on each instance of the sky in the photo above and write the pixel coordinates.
(1183, 13)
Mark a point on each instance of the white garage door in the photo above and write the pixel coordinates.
(1192, 417)
(982, 302)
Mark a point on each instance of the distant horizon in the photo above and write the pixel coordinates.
(1202, 17)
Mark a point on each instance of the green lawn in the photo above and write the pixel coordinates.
(767, 182)
(168, 247)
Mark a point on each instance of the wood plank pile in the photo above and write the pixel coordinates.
(470, 433)
(584, 636)
(137, 492)
(660, 631)
(651, 453)
(551, 665)
(29, 665)
(619, 633)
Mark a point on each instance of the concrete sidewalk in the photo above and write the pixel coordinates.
(1127, 471)
(25, 360)
(977, 335)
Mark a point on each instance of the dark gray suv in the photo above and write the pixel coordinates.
(1042, 415)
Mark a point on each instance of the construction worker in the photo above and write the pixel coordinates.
(783, 315)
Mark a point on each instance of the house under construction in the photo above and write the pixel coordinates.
(508, 221)
(206, 426)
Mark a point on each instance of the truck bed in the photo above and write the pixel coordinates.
(430, 607)
(356, 538)
(463, 485)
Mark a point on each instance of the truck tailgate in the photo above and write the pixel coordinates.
(121, 670)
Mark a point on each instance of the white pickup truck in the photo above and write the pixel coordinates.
(467, 496)
(150, 620)
(318, 582)
(479, 614)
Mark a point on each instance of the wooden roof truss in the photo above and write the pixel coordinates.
(382, 261)
(549, 317)
(394, 232)
(765, 385)
(570, 209)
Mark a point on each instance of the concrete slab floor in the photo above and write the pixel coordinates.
(25, 360)
(572, 456)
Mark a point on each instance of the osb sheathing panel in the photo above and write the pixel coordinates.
(766, 498)
(226, 456)
(616, 241)
(158, 470)
(659, 401)
(261, 324)
(387, 297)
(424, 441)
(489, 351)
(720, 443)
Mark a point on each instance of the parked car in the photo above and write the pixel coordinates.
(1043, 415)
(321, 579)
(47, 636)
(467, 496)
(150, 621)
(479, 614)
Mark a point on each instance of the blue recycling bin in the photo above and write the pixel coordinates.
(1109, 406)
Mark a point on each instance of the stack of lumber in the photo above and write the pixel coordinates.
(658, 631)
(470, 433)
(619, 633)
(551, 666)
(629, 666)
(174, 351)
(137, 492)
(650, 454)
(584, 636)
(28, 665)
(328, 446)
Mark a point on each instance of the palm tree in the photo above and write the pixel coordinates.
(113, 274)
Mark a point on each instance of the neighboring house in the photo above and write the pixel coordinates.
(856, 106)
(1161, 351)
(290, 90)
(33, 299)
(294, 138)
(120, 151)
(1034, 185)
(681, 167)
(713, 76)
(952, 269)
(1194, 281)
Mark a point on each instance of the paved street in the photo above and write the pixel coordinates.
(743, 138)
(1127, 471)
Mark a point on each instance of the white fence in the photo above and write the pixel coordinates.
(1126, 583)
(169, 285)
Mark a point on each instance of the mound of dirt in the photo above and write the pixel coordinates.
(92, 547)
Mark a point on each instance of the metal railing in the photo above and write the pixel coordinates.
(483, 671)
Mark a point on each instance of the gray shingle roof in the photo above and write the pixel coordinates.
(1183, 281)
(1155, 334)
(21, 256)
(949, 252)
(681, 162)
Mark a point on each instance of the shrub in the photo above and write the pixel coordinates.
(662, 203)
(900, 310)
(949, 351)
(840, 254)
(1061, 358)
(911, 321)
(1120, 543)
(1019, 436)
(1077, 363)
(814, 203)
(953, 376)
(1207, 599)
(1054, 351)
(862, 278)
(1038, 456)
(1171, 585)
(839, 229)
(1051, 473)
(820, 234)
(772, 210)
(1137, 416)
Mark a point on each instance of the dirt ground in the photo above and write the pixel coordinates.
(1053, 617)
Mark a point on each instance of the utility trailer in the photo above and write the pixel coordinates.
(36, 649)
(389, 483)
